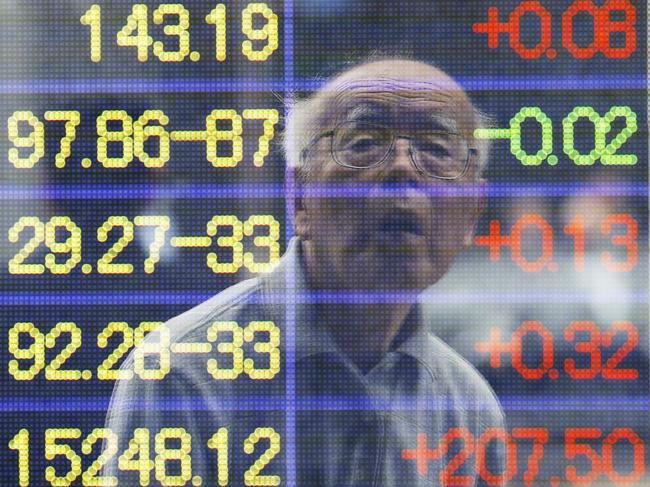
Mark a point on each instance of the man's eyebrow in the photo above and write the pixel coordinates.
(437, 122)
(368, 112)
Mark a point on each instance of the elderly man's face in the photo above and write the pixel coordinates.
(390, 227)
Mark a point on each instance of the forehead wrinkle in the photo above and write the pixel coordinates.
(436, 84)
(347, 92)
(391, 87)
(439, 109)
(365, 108)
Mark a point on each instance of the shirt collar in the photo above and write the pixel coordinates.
(286, 285)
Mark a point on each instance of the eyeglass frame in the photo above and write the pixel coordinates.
(394, 137)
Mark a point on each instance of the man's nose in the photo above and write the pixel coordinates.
(399, 166)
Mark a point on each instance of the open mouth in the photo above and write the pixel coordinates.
(401, 222)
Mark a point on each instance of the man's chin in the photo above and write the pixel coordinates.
(397, 273)
(398, 284)
(397, 242)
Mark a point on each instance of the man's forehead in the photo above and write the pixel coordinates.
(390, 101)
(388, 110)
(408, 77)
(395, 88)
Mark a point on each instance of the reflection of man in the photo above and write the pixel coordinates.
(387, 171)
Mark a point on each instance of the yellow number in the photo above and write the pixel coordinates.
(35, 139)
(46, 233)
(252, 475)
(53, 449)
(124, 136)
(181, 454)
(71, 119)
(89, 477)
(267, 33)
(72, 245)
(233, 348)
(233, 134)
(217, 17)
(16, 265)
(270, 117)
(20, 442)
(609, 156)
(35, 352)
(161, 223)
(93, 18)
(270, 241)
(270, 347)
(52, 371)
(105, 370)
(142, 131)
(219, 442)
(233, 241)
(138, 445)
(104, 264)
(147, 348)
(179, 30)
(137, 21)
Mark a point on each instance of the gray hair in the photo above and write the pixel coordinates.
(305, 119)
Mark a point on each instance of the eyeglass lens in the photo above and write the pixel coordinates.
(439, 154)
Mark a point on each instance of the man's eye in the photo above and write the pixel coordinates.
(362, 144)
(434, 149)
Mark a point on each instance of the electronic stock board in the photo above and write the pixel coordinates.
(142, 172)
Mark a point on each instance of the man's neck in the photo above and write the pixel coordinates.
(363, 332)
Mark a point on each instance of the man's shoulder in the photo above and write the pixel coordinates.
(461, 377)
(231, 304)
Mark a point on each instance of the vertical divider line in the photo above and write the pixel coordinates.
(647, 97)
(290, 285)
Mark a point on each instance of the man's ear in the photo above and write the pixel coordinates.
(300, 216)
(475, 211)
(302, 225)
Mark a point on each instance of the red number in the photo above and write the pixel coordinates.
(626, 26)
(592, 347)
(515, 29)
(610, 371)
(572, 450)
(576, 228)
(540, 438)
(547, 242)
(547, 350)
(567, 29)
(447, 476)
(608, 456)
(627, 240)
(491, 478)
(603, 28)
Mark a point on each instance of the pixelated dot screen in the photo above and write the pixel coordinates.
(485, 163)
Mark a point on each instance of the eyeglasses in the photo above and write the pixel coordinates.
(438, 154)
